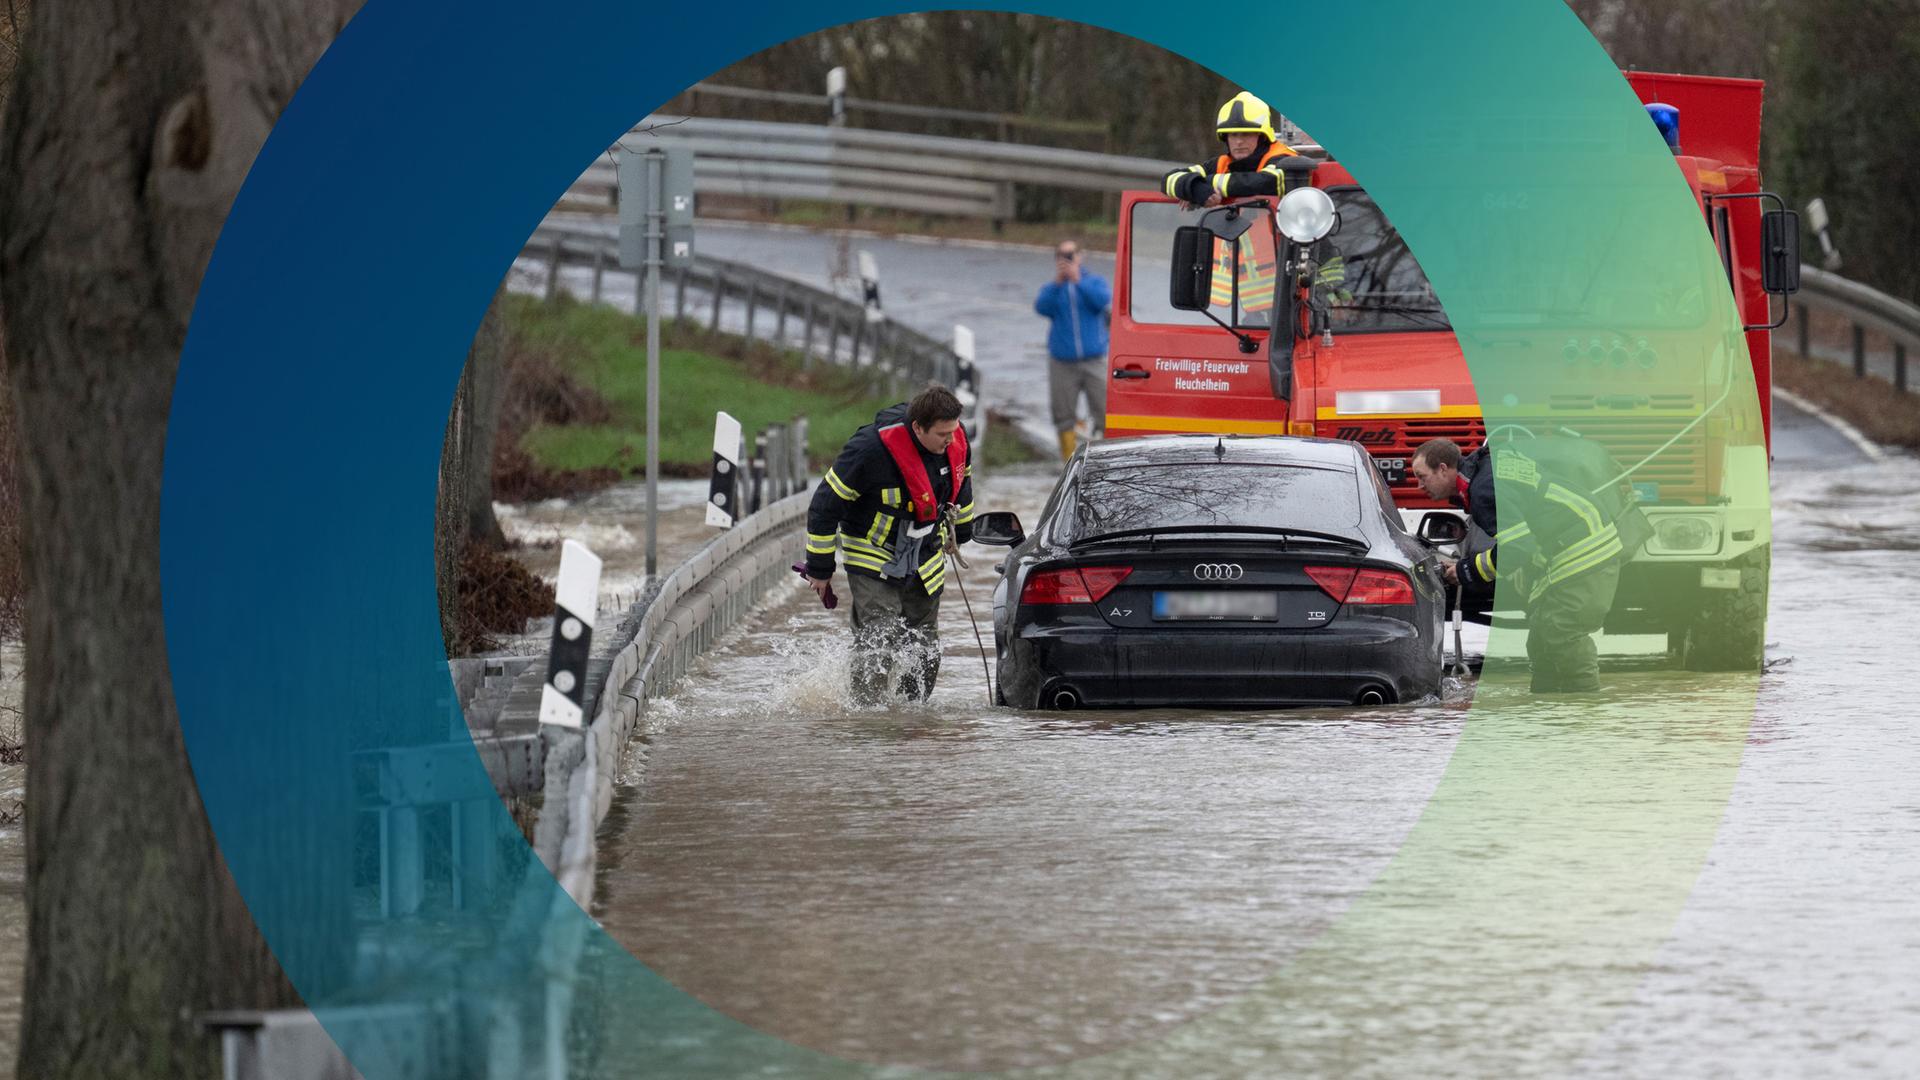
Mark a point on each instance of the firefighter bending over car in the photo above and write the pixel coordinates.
(1571, 527)
(900, 487)
(1466, 482)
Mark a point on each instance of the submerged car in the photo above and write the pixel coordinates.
(1180, 570)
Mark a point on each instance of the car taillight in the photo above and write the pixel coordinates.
(1074, 585)
(1349, 585)
(1334, 580)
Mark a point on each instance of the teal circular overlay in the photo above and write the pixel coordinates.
(314, 391)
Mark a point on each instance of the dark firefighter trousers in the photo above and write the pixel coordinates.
(1561, 623)
(896, 631)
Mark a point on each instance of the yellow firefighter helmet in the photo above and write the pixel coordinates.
(1244, 113)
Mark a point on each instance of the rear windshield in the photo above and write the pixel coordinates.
(1185, 495)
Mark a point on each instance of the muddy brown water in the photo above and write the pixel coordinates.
(1704, 877)
(1709, 879)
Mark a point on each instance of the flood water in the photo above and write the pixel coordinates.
(1700, 876)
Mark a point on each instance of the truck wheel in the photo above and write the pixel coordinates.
(1728, 630)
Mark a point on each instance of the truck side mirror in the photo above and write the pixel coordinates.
(1780, 252)
(1439, 527)
(1190, 281)
(998, 529)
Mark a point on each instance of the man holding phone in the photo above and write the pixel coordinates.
(1076, 302)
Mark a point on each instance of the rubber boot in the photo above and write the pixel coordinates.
(1067, 440)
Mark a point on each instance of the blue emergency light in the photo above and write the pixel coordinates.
(1667, 119)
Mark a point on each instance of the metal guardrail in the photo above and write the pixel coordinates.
(1866, 309)
(693, 606)
(934, 174)
(1003, 123)
(775, 310)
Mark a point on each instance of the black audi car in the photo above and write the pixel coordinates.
(1195, 570)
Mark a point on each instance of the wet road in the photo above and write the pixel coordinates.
(1708, 877)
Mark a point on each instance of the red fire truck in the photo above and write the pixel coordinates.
(1371, 358)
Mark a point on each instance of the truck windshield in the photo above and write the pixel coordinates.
(1369, 276)
(1150, 261)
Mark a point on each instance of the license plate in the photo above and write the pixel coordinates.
(1226, 604)
(1392, 469)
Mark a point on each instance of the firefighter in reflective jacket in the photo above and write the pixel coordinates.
(1567, 532)
(1249, 167)
(887, 504)
(1465, 481)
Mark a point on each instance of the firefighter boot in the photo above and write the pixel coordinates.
(1067, 440)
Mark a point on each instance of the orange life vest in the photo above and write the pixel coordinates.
(1224, 162)
(905, 450)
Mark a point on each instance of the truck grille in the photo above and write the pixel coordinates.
(1679, 470)
(1466, 432)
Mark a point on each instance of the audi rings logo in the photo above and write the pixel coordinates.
(1219, 571)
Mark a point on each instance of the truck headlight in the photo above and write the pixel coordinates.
(1677, 534)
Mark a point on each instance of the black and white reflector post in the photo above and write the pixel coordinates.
(724, 487)
(966, 384)
(870, 287)
(575, 599)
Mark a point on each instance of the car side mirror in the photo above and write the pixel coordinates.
(1190, 282)
(998, 529)
(1438, 527)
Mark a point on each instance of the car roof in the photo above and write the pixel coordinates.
(1204, 449)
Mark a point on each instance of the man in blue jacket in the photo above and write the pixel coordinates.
(1076, 300)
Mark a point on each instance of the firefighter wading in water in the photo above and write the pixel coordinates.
(887, 503)
(1570, 530)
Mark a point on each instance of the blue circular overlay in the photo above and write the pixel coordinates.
(335, 317)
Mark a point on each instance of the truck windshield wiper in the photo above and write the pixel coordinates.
(1431, 317)
(1240, 530)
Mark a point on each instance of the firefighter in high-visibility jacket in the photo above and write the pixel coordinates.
(1251, 165)
(886, 506)
(1566, 530)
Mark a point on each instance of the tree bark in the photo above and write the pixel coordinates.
(129, 131)
(486, 368)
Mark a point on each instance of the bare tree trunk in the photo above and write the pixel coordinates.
(486, 367)
(130, 128)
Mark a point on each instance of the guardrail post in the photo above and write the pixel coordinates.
(1806, 320)
(1900, 366)
(780, 321)
(759, 471)
(806, 337)
(800, 453)
(553, 271)
(753, 302)
(833, 336)
(599, 269)
(719, 291)
(781, 461)
(859, 338)
(405, 868)
(1859, 351)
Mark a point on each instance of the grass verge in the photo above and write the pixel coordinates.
(603, 351)
(1871, 404)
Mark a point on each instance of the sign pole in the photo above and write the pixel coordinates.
(656, 213)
